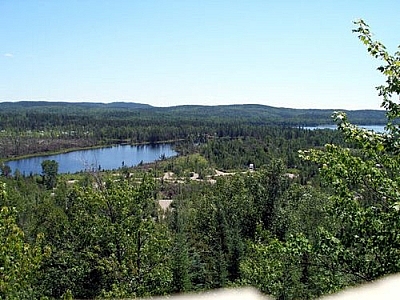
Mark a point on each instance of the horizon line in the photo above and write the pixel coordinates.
(178, 105)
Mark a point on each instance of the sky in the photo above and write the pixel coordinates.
(287, 53)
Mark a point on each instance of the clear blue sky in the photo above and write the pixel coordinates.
(299, 54)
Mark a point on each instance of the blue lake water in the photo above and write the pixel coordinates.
(107, 158)
(376, 128)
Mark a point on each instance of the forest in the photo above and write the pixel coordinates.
(253, 199)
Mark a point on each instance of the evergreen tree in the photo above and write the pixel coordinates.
(49, 171)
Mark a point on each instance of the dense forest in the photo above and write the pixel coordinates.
(33, 127)
(254, 198)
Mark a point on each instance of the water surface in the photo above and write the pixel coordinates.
(376, 128)
(107, 158)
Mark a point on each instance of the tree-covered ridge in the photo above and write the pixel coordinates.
(39, 127)
(249, 113)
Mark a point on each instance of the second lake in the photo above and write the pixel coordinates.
(107, 158)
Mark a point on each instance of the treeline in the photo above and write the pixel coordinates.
(37, 127)
(54, 112)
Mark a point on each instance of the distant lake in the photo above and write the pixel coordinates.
(376, 128)
(107, 158)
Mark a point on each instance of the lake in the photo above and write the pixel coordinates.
(376, 128)
(107, 158)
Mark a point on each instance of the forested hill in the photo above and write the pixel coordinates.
(255, 113)
(70, 106)
(251, 113)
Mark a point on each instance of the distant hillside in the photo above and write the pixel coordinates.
(249, 113)
(255, 113)
(32, 105)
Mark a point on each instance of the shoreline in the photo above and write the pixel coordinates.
(69, 150)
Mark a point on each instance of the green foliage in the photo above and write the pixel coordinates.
(364, 242)
(180, 252)
(5, 170)
(107, 241)
(49, 171)
(184, 166)
(390, 69)
(212, 223)
(300, 210)
(273, 267)
(19, 261)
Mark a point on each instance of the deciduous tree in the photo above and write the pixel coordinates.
(365, 241)
(19, 261)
